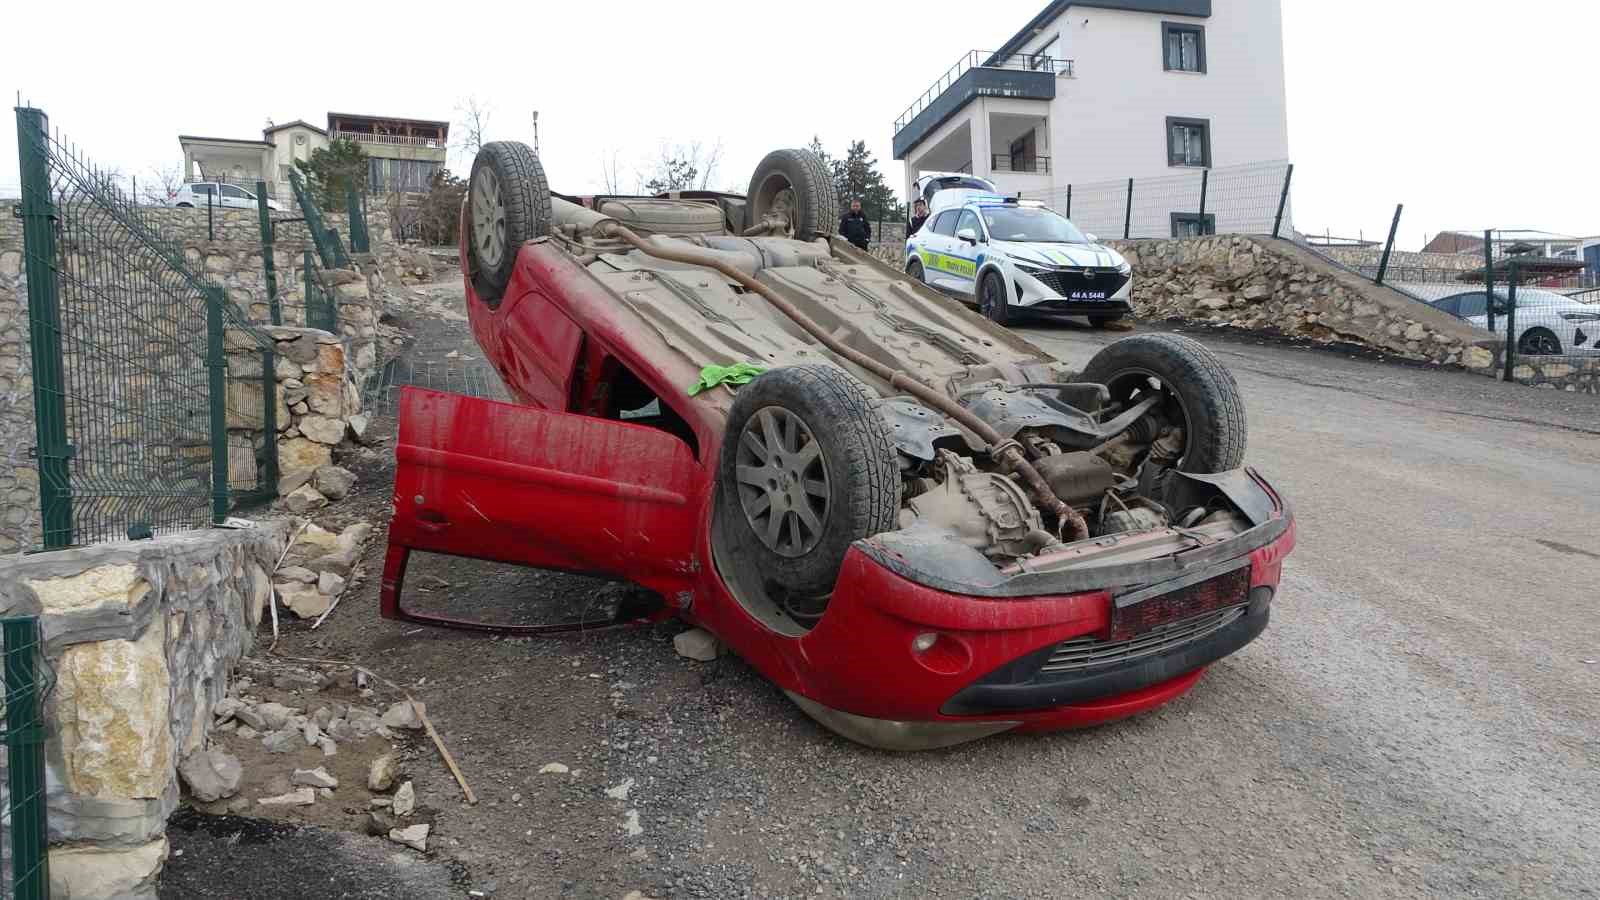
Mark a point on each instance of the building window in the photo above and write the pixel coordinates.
(1183, 47)
(1188, 142)
(1188, 225)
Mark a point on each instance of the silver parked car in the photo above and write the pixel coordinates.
(216, 193)
(1547, 323)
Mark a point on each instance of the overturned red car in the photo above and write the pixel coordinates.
(924, 529)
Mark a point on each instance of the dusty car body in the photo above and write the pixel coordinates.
(918, 525)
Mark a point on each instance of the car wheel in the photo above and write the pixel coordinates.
(914, 269)
(1104, 321)
(807, 469)
(1539, 342)
(1201, 396)
(186, 206)
(508, 204)
(796, 184)
(992, 300)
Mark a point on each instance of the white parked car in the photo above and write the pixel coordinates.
(1548, 323)
(1009, 255)
(228, 196)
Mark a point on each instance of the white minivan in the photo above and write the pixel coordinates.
(214, 193)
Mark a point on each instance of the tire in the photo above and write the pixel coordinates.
(850, 485)
(185, 206)
(1103, 321)
(649, 216)
(1205, 398)
(992, 300)
(914, 269)
(1539, 342)
(815, 210)
(508, 204)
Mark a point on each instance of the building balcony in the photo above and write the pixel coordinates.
(1005, 162)
(402, 140)
(979, 73)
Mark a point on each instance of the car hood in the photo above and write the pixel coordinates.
(1057, 255)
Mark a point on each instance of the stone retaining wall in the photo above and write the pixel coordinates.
(1264, 284)
(141, 637)
(317, 406)
(1575, 375)
(19, 478)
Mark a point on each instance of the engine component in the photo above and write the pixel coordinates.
(1078, 478)
(988, 512)
(1135, 518)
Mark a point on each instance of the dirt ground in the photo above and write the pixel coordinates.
(1397, 732)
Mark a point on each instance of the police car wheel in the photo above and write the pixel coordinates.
(914, 269)
(992, 299)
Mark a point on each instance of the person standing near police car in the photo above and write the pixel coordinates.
(854, 227)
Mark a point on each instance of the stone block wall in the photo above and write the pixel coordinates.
(1272, 285)
(318, 405)
(19, 477)
(141, 637)
(1572, 374)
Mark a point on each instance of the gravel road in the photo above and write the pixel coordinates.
(1422, 718)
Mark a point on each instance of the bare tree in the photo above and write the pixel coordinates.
(161, 182)
(608, 172)
(474, 115)
(680, 167)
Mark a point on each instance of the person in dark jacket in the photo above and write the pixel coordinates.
(854, 227)
(919, 214)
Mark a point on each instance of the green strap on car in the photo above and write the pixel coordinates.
(736, 374)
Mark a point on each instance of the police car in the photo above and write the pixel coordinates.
(1009, 256)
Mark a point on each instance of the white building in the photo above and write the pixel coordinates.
(1104, 90)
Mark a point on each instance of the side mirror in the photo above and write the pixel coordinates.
(1092, 238)
(968, 235)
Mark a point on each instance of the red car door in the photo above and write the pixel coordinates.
(536, 487)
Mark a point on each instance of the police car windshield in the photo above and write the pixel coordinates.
(1030, 223)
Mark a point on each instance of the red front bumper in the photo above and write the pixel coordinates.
(864, 662)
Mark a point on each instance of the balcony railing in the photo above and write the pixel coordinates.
(1002, 162)
(401, 139)
(982, 59)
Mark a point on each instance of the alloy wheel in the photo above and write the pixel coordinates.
(783, 481)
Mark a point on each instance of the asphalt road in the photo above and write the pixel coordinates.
(1422, 718)
(1423, 715)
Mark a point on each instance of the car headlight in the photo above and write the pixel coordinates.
(1124, 267)
(1581, 317)
(1029, 269)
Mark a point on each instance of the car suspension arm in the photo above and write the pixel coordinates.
(1008, 452)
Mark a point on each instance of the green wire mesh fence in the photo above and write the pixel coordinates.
(154, 396)
(24, 863)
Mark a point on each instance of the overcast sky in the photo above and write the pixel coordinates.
(1474, 114)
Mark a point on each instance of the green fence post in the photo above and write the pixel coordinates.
(341, 259)
(267, 463)
(1511, 320)
(217, 391)
(360, 239)
(1127, 219)
(1205, 182)
(1488, 277)
(1069, 201)
(1283, 199)
(44, 329)
(30, 860)
(313, 217)
(268, 263)
(211, 205)
(1388, 246)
